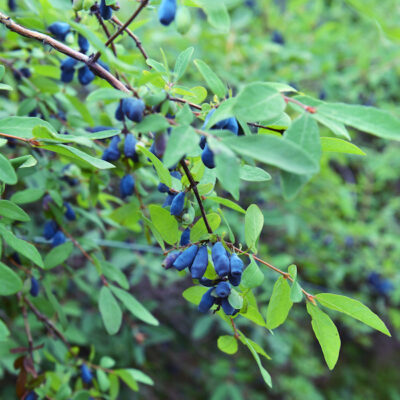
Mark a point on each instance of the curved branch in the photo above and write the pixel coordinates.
(62, 48)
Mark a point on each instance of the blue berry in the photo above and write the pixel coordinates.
(69, 213)
(223, 289)
(59, 238)
(220, 259)
(200, 263)
(67, 75)
(85, 75)
(86, 374)
(130, 147)
(186, 258)
(170, 259)
(206, 301)
(207, 156)
(83, 44)
(178, 203)
(236, 269)
(133, 109)
(105, 11)
(185, 237)
(50, 229)
(60, 30)
(35, 287)
(226, 306)
(127, 186)
(167, 11)
(169, 199)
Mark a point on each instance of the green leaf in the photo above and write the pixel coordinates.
(165, 223)
(264, 373)
(254, 222)
(21, 246)
(127, 377)
(48, 288)
(22, 126)
(227, 203)
(199, 230)
(326, 334)
(182, 62)
(368, 119)
(161, 169)
(217, 14)
(335, 145)
(253, 314)
(228, 344)
(279, 304)
(106, 94)
(136, 308)
(110, 311)
(273, 150)
(113, 273)
(252, 276)
(213, 82)
(7, 173)
(183, 140)
(296, 295)
(194, 294)
(152, 123)
(258, 102)
(4, 332)
(304, 132)
(128, 215)
(11, 283)
(57, 255)
(253, 174)
(235, 299)
(354, 309)
(10, 210)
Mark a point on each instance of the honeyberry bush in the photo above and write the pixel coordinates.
(114, 151)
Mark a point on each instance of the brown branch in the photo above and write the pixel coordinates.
(133, 36)
(236, 333)
(49, 324)
(62, 48)
(193, 186)
(143, 4)
(311, 110)
(32, 141)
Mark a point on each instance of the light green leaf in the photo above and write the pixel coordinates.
(258, 102)
(161, 169)
(296, 295)
(235, 299)
(213, 82)
(279, 304)
(110, 311)
(106, 94)
(152, 123)
(336, 145)
(21, 246)
(326, 334)
(10, 210)
(165, 223)
(354, 308)
(11, 283)
(273, 150)
(136, 308)
(254, 222)
(194, 294)
(228, 344)
(252, 276)
(7, 173)
(368, 119)
(4, 332)
(199, 230)
(127, 377)
(182, 62)
(22, 126)
(227, 203)
(57, 255)
(217, 14)
(253, 174)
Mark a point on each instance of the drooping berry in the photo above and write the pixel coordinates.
(58, 238)
(223, 289)
(83, 44)
(133, 109)
(86, 374)
(170, 259)
(207, 156)
(35, 287)
(127, 186)
(206, 301)
(167, 11)
(67, 75)
(105, 11)
(169, 199)
(112, 153)
(186, 258)
(130, 147)
(220, 259)
(85, 75)
(69, 213)
(59, 29)
(185, 237)
(200, 263)
(178, 203)
(50, 229)
(226, 306)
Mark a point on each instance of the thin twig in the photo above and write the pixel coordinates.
(62, 48)
(311, 110)
(236, 333)
(193, 186)
(143, 4)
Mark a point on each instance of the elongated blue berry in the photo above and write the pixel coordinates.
(59, 238)
(167, 11)
(203, 142)
(223, 289)
(67, 75)
(119, 114)
(176, 174)
(228, 309)
(127, 186)
(68, 63)
(85, 75)
(133, 109)
(163, 188)
(104, 65)
(59, 29)
(69, 213)
(50, 229)
(207, 156)
(31, 396)
(105, 11)
(178, 203)
(86, 374)
(206, 301)
(186, 258)
(236, 270)
(170, 259)
(83, 44)
(12, 5)
(200, 263)
(185, 237)
(206, 282)
(169, 199)
(35, 287)
(220, 259)
(130, 147)
(112, 153)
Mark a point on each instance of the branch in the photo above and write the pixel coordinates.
(133, 36)
(311, 110)
(193, 186)
(62, 48)
(143, 4)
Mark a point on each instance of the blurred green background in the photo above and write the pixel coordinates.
(341, 231)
